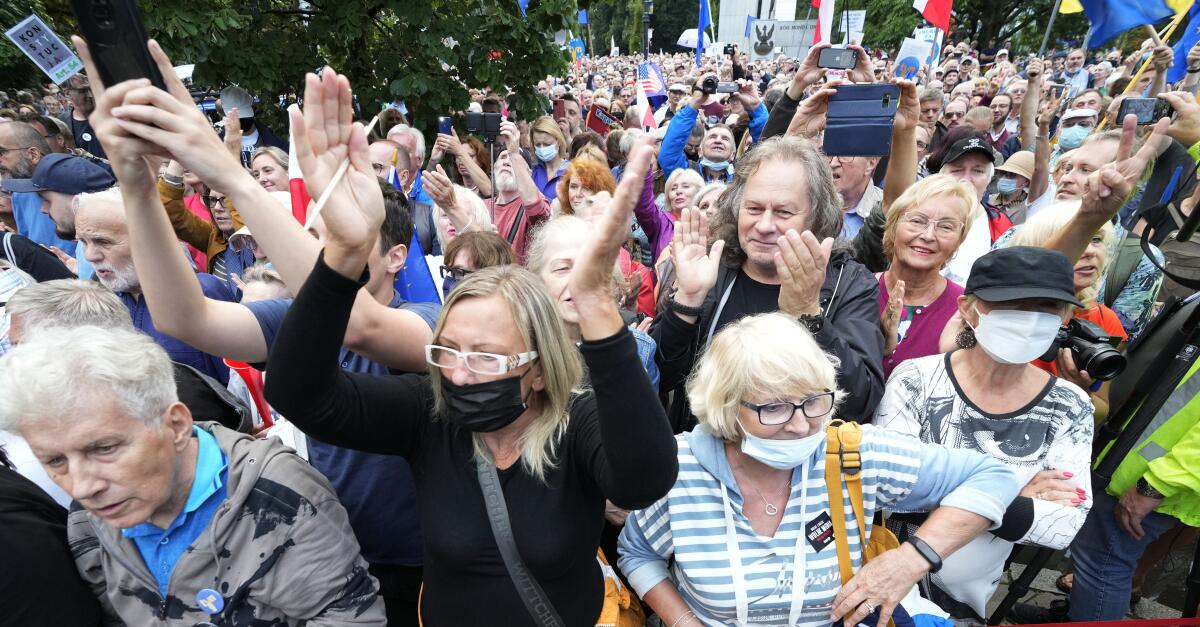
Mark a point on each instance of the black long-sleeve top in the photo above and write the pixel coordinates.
(617, 445)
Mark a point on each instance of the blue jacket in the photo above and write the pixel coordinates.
(671, 156)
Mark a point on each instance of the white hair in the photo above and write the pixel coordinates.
(111, 195)
(629, 138)
(418, 139)
(61, 373)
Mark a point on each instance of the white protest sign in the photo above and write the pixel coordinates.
(933, 35)
(911, 57)
(854, 22)
(44, 48)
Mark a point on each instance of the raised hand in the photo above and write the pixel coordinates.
(801, 263)
(591, 279)
(908, 114)
(809, 118)
(512, 137)
(170, 125)
(233, 132)
(325, 135)
(1185, 127)
(809, 72)
(1034, 69)
(1162, 58)
(864, 68)
(748, 94)
(696, 266)
(889, 323)
(440, 188)
(125, 150)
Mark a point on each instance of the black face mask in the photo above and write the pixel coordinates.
(484, 407)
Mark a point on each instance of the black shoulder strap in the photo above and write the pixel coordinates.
(531, 592)
(516, 225)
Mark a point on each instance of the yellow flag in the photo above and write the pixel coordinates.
(1070, 6)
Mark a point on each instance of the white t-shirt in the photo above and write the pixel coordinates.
(977, 244)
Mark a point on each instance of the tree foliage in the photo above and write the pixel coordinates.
(425, 52)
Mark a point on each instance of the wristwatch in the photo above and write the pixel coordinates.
(814, 324)
(1144, 488)
(927, 552)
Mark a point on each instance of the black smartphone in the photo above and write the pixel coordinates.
(837, 58)
(445, 127)
(1057, 90)
(116, 38)
(1143, 108)
(486, 124)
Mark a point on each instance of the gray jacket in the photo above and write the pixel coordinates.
(279, 550)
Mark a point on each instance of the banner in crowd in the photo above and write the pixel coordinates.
(45, 49)
(933, 35)
(912, 57)
(853, 26)
(599, 120)
(788, 37)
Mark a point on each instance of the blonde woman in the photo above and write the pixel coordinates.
(924, 229)
(269, 166)
(744, 520)
(501, 407)
(550, 150)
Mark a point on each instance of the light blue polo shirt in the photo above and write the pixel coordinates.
(161, 549)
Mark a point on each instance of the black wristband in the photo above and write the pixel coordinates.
(680, 308)
(927, 552)
(1195, 71)
(814, 324)
(1144, 488)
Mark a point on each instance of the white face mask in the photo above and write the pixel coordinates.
(783, 454)
(1012, 336)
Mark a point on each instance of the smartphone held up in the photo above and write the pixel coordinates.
(117, 39)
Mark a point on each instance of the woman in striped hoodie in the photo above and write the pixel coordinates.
(747, 515)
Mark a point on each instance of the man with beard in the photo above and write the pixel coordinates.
(22, 147)
(57, 180)
(517, 206)
(101, 228)
(82, 104)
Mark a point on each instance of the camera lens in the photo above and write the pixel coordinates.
(1100, 360)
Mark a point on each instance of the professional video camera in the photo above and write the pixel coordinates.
(711, 86)
(1091, 347)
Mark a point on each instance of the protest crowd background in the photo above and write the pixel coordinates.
(710, 336)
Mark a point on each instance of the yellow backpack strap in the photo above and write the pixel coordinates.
(833, 484)
(850, 438)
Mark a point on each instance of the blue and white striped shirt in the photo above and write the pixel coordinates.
(899, 473)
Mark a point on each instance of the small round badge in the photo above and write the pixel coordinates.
(210, 601)
(87, 137)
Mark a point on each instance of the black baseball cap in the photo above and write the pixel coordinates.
(65, 174)
(1020, 272)
(971, 144)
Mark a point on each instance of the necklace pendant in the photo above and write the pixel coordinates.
(771, 509)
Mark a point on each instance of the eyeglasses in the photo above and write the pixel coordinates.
(779, 412)
(479, 363)
(456, 272)
(954, 115)
(4, 151)
(922, 145)
(213, 200)
(917, 223)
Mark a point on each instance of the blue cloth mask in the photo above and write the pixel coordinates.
(1072, 137)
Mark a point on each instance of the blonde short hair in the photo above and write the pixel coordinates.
(547, 125)
(542, 330)
(1044, 224)
(768, 356)
(922, 192)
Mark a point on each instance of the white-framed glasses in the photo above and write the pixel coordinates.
(479, 363)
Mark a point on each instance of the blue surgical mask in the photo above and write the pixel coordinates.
(782, 454)
(1072, 137)
(546, 153)
(1006, 185)
(714, 165)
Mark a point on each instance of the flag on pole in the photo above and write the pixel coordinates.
(936, 12)
(1190, 37)
(824, 20)
(523, 5)
(583, 18)
(644, 109)
(300, 197)
(704, 22)
(651, 80)
(1110, 18)
(750, 20)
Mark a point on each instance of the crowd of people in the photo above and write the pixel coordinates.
(575, 373)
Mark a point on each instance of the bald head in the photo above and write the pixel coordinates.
(384, 153)
(27, 147)
(101, 228)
